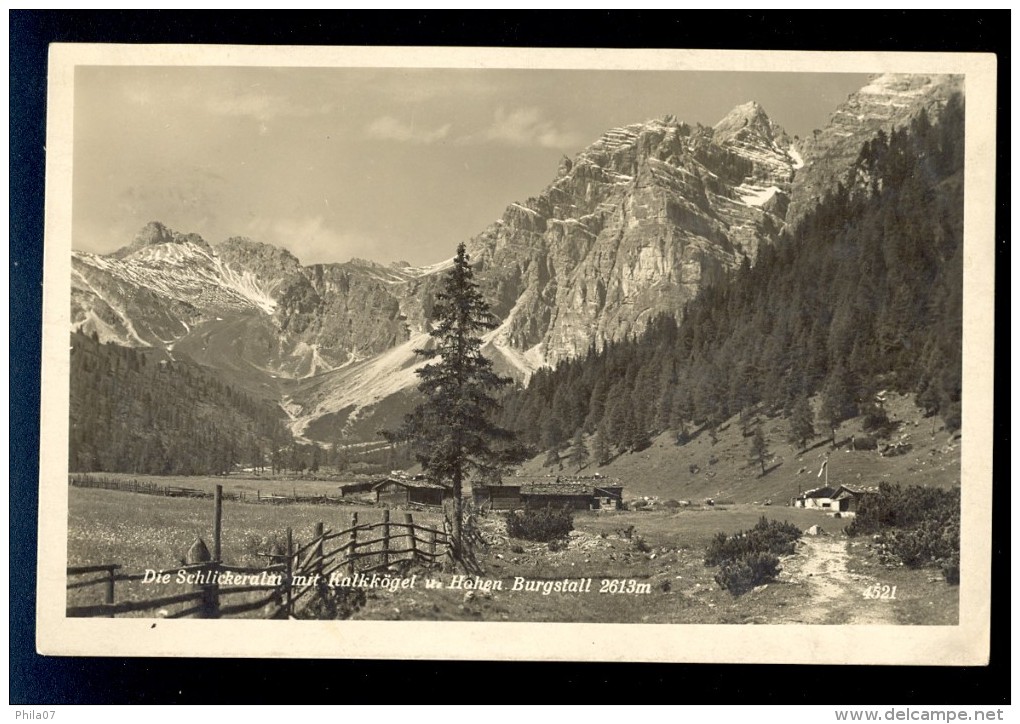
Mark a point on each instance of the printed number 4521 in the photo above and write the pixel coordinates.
(882, 592)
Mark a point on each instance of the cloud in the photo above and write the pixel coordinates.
(263, 107)
(527, 127)
(312, 240)
(256, 104)
(393, 129)
(167, 193)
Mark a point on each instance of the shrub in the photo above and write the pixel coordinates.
(742, 574)
(641, 546)
(751, 558)
(540, 524)
(876, 419)
(767, 536)
(920, 526)
(894, 506)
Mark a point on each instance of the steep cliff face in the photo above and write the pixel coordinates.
(889, 101)
(635, 225)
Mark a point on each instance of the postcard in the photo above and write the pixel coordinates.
(517, 354)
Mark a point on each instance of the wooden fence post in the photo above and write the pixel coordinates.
(447, 538)
(409, 524)
(317, 533)
(432, 546)
(109, 586)
(199, 553)
(353, 544)
(289, 602)
(386, 536)
(217, 551)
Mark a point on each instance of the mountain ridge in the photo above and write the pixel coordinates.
(635, 225)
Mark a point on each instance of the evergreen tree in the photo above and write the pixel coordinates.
(600, 446)
(838, 400)
(579, 450)
(802, 422)
(452, 433)
(759, 448)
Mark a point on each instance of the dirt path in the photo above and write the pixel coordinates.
(836, 594)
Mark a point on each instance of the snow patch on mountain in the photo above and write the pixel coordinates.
(368, 382)
(756, 195)
(798, 160)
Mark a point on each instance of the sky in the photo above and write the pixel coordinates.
(387, 164)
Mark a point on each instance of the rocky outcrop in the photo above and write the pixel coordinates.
(887, 102)
(634, 226)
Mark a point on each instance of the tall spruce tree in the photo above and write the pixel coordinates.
(579, 451)
(759, 448)
(802, 421)
(600, 446)
(452, 433)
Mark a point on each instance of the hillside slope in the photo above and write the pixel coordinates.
(724, 471)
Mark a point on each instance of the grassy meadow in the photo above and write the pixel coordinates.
(662, 551)
(151, 531)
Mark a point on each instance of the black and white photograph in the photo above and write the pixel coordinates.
(377, 352)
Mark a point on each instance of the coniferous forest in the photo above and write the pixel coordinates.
(141, 411)
(864, 295)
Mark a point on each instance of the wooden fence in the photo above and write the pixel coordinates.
(291, 581)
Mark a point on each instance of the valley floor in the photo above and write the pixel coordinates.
(831, 580)
(643, 566)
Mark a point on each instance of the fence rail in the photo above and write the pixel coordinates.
(291, 577)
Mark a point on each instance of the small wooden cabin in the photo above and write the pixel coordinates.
(819, 498)
(579, 493)
(358, 487)
(846, 499)
(497, 497)
(410, 491)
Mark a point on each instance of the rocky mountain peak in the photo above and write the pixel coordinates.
(156, 233)
(750, 116)
(748, 132)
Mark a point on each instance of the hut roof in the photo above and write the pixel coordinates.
(410, 483)
(823, 492)
(554, 488)
(845, 491)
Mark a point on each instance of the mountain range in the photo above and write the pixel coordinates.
(635, 225)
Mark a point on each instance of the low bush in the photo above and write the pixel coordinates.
(751, 558)
(540, 524)
(767, 536)
(894, 506)
(740, 575)
(919, 526)
(876, 419)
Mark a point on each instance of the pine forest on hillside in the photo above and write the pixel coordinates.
(142, 412)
